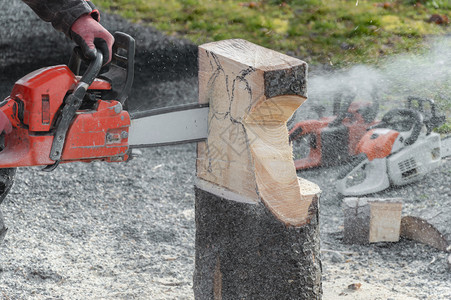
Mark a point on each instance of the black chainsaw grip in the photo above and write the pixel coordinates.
(76, 59)
(121, 71)
(414, 117)
(93, 69)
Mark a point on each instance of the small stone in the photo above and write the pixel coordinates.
(354, 286)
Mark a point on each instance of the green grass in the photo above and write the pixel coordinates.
(336, 32)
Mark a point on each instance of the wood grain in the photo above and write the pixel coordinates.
(252, 92)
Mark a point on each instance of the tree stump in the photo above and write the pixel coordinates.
(257, 223)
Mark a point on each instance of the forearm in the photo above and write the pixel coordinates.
(61, 13)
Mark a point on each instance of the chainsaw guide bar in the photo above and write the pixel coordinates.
(169, 126)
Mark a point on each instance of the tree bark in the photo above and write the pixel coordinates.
(244, 252)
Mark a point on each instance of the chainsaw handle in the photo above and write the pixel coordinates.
(342, 102)
(431, 121)
(414, 116)
(420, 101)
(93, 69)
(121, 69)
(120, 72)
(72, 104)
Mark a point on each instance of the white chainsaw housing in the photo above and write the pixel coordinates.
(404, 165)
(411, 163)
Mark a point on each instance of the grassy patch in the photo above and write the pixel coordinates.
(329, 31)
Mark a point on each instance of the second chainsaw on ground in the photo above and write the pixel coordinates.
(399, 150)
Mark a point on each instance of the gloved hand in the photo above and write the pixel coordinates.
(5, 123)
(89, 34)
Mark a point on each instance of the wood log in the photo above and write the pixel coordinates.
(371, 220)
(257, 234)
(430, 226)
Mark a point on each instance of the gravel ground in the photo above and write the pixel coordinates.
(126, 231)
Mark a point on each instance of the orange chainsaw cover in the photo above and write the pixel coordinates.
(377, 144)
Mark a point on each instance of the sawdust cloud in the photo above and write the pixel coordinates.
(426, 75)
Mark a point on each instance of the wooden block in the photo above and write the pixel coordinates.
(385, 220)
(371, 220)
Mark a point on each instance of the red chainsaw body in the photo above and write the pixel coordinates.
(326, 143)
(97, 133)
(313, 128)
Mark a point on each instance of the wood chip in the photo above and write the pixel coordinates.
(354, 286)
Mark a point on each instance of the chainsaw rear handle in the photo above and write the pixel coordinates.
(420, 102)
(434, 120)
(341, 106)
(414, 117)
(120, 73)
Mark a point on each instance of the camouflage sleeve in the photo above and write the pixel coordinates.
(62, 13)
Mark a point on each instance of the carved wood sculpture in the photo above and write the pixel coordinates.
(257, 222)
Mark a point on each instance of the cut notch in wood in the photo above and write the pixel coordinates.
(252, 92)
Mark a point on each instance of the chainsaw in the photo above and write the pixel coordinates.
(59, 117)
(332, 140)
(399, 150)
